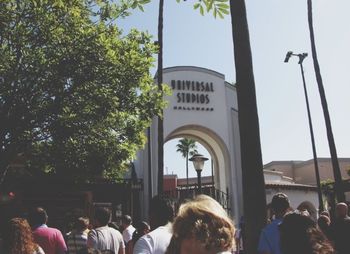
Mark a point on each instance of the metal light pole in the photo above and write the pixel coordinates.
(318, 182)
(198, 163)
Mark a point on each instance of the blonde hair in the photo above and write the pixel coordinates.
(205, 221)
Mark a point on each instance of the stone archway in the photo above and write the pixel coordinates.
(215, 146)
(204, 106)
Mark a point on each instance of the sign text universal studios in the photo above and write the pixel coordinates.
(192, 95)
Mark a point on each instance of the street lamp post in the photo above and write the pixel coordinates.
(301, 59)
(198, 163)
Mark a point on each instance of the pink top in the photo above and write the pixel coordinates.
(50, 240)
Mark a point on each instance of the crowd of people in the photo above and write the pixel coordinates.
(296, 231)
(200, 226)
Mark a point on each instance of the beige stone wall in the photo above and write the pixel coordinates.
(285, 168)
(304, 172)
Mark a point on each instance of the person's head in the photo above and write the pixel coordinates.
(18, 237)
(325, 213)
(341, 210)
(280, 204)
(37, 217)
(126, 220)
(161, 211)
(299, 234)
(202, 226)
(323, 222)
(309, 208)
(102, 216)
(142, 228)
(114, 225)
(81, 224)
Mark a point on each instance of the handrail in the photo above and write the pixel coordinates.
(181, 195)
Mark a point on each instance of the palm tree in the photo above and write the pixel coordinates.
(336, 169)
(187, 147)
(254, 200)
(160, 82)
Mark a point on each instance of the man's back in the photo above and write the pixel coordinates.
(50, 240)
(127, 233)
(155, 242)
(76, 241)
(270, 239)
(269, 242)
(106, 238)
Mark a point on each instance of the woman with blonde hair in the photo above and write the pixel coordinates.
(18, 238)
(202, 226)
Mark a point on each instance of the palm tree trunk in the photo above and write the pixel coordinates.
(160, 118)
(333, 151)
(187, 172)
(254, 200)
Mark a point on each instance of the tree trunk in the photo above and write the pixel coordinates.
(254, 200)
(160, 118)
(333, 151)
(187, 171)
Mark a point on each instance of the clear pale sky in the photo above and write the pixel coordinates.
(275, 28)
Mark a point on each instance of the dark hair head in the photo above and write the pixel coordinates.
(102, 215)
(114, 225)
(142, 228)
(37, 216)
(280, 203)
(81, 223)
(299, 234)
(325, 213)
(161, 211)
(126, 219)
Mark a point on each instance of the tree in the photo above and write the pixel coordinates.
(187, 147)
(254, 199)
(332, 148)
(76, 95)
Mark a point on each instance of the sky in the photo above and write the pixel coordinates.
(275, 27)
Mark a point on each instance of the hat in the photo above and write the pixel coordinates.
(280, 202)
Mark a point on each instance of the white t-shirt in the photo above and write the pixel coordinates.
(127, 233)
(155, 242)
(105, 238)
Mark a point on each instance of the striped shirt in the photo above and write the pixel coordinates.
(76, 241)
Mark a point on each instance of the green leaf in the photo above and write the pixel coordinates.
(223, 6)
(196, 5)
(201, 10)
(224, 11)
(141, 8)
(210, 6)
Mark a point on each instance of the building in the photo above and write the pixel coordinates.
(303, 172)
(203, 106)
